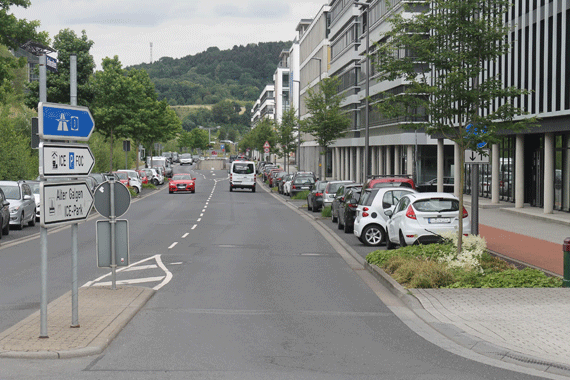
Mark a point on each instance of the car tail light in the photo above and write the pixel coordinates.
(410, 213)
(293, 187)
(465, 214)
(352, 207)
(318, 194)
(365, 214)
(365, 209)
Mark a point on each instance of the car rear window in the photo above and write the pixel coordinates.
(367, 197)
(391, 184)
(243, 168)
(302, 180)
(436, 205)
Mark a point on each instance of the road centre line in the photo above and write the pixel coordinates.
(194, 226)
(173, 245)
(202, 214)
(199, 219)
(184, 236)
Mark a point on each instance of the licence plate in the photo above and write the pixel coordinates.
(439, 220)
(181, 186)
(304, 187)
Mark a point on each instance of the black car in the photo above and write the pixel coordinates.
(315, 197)
(4, 215)
(347, 209)
(339, 197)
(300, 184)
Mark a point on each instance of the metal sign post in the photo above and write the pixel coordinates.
(475, 158)
(43, 230)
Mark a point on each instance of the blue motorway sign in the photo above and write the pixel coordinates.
(64, 122)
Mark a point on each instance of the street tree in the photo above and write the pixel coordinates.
(327, 121)
(200, 139)
(286, 134)
(66, 42)
(14, 33)
(449, 92)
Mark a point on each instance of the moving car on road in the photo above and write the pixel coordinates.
(242, 175)
(182, 182)
(185, 159)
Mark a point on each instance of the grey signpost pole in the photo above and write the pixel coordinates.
(475, 199)
(113, 222)
(74, 226)
(43, 230)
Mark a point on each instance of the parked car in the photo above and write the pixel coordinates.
(431, 185)
(182, 182)
(278, 178)
(330, 191)
(347, 209)
(392, 180)
(143, 176)
(370, 218)
(301, 184)
(22, 203)
(175, 157)
(168, 155)
(134, 180)
(281, 184)
(185, 159)
(35, 186)
(273, 173)
(315, 197)
(242, 175)
(151, 162)
(4, 215)
(154, 176)
(287, 186)
(339, 198)
(421, 218)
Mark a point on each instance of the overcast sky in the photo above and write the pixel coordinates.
(176, 28)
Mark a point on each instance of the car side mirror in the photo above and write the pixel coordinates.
(389, 213)
(27, 197)
(5, 203)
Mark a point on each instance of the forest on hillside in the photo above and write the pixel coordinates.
(215, 75)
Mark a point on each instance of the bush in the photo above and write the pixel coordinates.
(326, 212)
(301, 195)
(132, 191)
(148, 186)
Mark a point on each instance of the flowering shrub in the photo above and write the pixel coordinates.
(472, 248)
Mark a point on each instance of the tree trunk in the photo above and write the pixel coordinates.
(111, 154)
(461, 182)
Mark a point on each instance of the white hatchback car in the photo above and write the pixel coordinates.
(370, 218)
(134, 180)
(421, 218)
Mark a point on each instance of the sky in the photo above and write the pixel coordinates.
(176, 28)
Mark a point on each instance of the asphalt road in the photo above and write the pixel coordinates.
(247, 289)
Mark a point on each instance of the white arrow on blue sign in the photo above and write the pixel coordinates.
(64, 122)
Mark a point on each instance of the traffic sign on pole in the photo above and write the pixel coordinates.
(66, 160)
(474, 157)
(64, 202)
(64, 122)
(122, 199)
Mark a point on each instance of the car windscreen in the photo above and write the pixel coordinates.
(11, 192)
(185, 155)
(180, 177)
(121, 175)
(436, 205)
(35, 187)
(333, 187)
(243, 168)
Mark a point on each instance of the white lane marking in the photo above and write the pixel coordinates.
(203, 210)
(90, 283)
(199, 219)
(142, 267)
(173, 245)
(179, 263)
(194, 226)
(168, 274)
(184, 236)
(202, 214)
(133, 281)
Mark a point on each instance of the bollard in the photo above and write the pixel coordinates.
(566, 252)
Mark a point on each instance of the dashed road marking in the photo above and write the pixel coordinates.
(173, 245)
(184, 236)
(194, 226)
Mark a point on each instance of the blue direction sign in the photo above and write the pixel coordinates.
(64, 122)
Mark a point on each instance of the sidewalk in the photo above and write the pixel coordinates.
(103, 312)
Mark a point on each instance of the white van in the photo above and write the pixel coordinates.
(242, 175)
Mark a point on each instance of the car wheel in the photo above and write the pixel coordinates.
(231, 188)
(253, 189)
(402, 240)
(155, 182)
(389, 244)
(347, 228)
(340, 226)
(21, 225)
(373, 235)
(32, 222)
(309, 207)
(170, 191)
(332, 216)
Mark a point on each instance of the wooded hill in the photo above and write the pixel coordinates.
(214, 75)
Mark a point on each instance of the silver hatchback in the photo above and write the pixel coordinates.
(22, 203)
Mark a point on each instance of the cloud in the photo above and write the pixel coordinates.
(259, 9)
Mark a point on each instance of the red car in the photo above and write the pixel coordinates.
(182, 182)
(123, 178)
(394, 180)
(144, 178)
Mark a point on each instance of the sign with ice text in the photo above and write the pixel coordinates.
(66, 160)
(64, 202)
(64, 122)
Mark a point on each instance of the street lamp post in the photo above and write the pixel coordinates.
(209, 129)
(367, 167)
